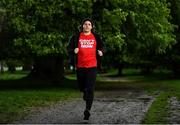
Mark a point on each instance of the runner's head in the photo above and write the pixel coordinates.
(87, 25)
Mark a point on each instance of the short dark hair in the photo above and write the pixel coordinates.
(92, 23)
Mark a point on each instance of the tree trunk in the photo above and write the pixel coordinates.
(146, 70)
(176, 69)
(27, 64)
(120, 69)
(48, 68)
(11, 68)
(1, 67)
(27, 67)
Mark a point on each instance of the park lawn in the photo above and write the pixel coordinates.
(15, 102)
(17, 97)
(12, 76)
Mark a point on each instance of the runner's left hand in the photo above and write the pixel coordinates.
(100, 53)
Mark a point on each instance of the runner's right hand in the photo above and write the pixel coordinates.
(76, 50)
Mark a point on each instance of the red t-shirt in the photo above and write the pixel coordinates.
(87, 51)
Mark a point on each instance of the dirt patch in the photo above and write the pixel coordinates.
(109, 107)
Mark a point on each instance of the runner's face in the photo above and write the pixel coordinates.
(87, 26)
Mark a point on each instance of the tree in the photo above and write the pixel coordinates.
(42, 27)
(152, 32)
(7, 50)
(174, 53)
(109, 17)
(137, 31)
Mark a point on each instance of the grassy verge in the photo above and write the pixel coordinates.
(158, 112)
(13, 76)
(18, 96)
(13, 103)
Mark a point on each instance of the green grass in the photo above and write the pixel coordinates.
(158, 112)
(14, 102)
(160, 109)
(17, 95)
(13, 76)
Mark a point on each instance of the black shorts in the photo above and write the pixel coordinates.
(86, 78)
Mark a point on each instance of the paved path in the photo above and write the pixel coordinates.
(111, 107)
(174, 111)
